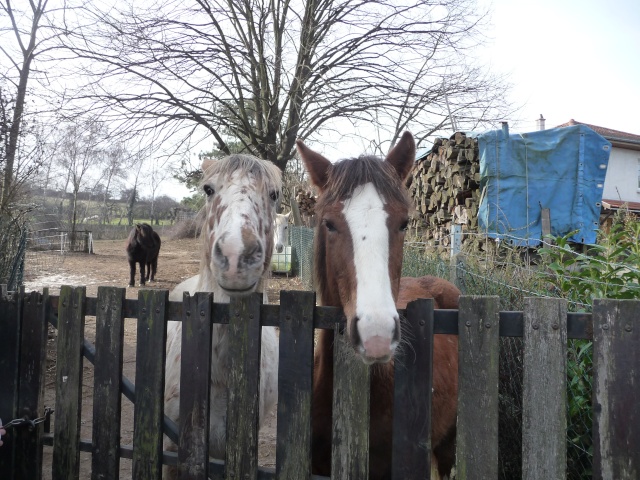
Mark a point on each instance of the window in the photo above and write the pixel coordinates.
(639, 174)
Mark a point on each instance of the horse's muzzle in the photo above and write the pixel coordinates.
(372, 347)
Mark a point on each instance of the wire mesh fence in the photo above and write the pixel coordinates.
(301, 241)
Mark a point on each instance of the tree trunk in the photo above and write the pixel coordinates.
(14, 132)
(132, 202)
(74, 213)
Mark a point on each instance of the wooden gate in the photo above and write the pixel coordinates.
(545, 325)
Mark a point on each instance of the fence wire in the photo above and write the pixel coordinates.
(301, 241)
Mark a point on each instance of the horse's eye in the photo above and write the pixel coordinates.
(404, 226)
(330, 226)
(208, 190)
(274, 194)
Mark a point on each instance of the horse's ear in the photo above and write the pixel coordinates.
(290, 215)
(207, 163)
(403, 155)
(317, 166)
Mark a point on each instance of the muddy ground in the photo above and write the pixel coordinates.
(179, 259)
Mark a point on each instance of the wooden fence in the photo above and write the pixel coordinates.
(545, 325)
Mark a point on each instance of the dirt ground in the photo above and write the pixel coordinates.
(178, 260)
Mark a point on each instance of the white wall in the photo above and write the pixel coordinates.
(621, 181)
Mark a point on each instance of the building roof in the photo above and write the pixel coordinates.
(619, 204)
(616, 137)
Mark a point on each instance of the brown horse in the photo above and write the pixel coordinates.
(143, 247)
(363, 210)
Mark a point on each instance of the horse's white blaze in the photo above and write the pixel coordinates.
(375, 307)
(237, 225)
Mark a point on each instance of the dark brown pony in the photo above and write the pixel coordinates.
(363, 210)
(143, 247)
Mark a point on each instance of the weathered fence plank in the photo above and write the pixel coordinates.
(66, 438)
(350, 439)
(413, 378)
(244, 336)
(616, 327)
(478, 323)
(105, 459)
(150, 359)
(33, 338)
(10, 325)
(295, 375)
(616, 405)
(544, 399)
(195, 368)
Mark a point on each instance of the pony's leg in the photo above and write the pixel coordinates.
(152, 267)
(142, 279)
(132, 273)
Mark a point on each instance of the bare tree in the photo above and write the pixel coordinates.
(28, 152)
(114, 169)
(266, 72)
(24, 36)
(79, 153)
(158, 172)
(136, 163)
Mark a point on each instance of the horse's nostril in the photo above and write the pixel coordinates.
(252, 254)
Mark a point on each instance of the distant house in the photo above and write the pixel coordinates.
(622, 181)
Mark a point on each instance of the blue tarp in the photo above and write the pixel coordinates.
(561, 169)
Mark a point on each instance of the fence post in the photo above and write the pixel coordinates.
(544, 397)
(413, 379)
(350, 439)
(456, 274)
(295, 374)
(241, 457)
(478, 350)
(10, 325)
(105, 461)
(150, 360)
(66, 440)
(616, 386)
(193, 448)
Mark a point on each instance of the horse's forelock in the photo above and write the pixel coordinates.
(347, 175)
(266, 173)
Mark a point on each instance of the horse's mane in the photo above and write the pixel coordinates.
(142, 234)
(250, 165)
(346, 175)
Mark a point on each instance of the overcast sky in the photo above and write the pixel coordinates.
(565, 59)
(568, 59)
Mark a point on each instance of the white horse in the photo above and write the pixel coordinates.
(242, 195)
(281, 231)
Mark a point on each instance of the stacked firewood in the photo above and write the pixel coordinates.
(445, 188)
(306, 202)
